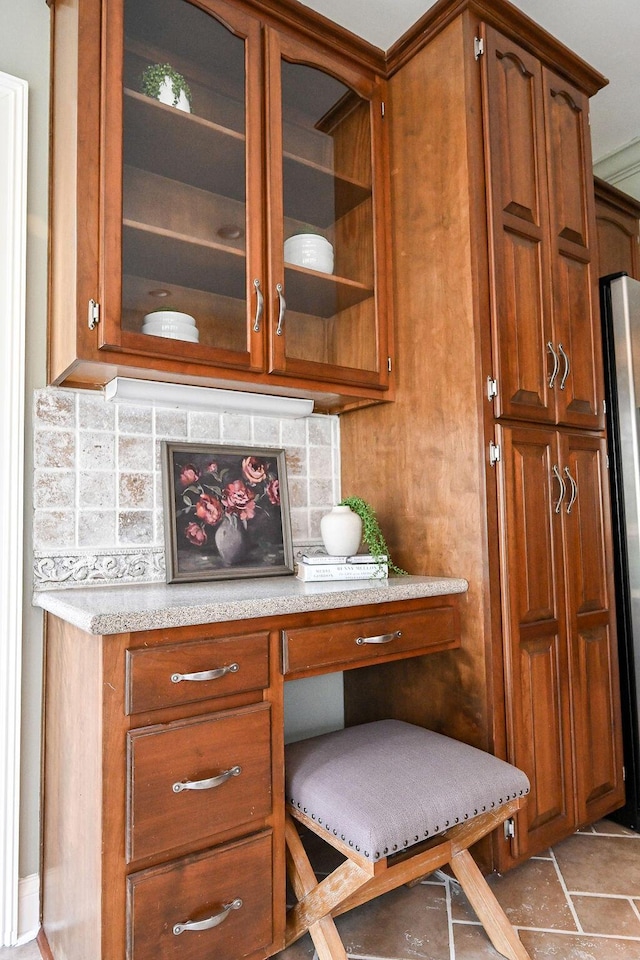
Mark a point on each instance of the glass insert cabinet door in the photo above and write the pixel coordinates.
(239, 188)
(183, 184)
(325, 178)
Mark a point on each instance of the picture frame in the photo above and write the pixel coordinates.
(226, 512)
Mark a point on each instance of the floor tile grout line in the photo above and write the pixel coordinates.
(634, 907)
(574, 914)
(555, 930)
(452, 946)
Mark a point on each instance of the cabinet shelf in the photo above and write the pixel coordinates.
(172, 258)
(317, 195)
(321, 294)
(168, 257)
(180, 146)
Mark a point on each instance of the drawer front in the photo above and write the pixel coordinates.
(197, 889)
(361, 642)
(186, 672)
(194, 778)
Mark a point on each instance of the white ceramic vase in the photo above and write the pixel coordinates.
(341, 531)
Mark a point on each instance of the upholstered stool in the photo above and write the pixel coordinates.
(399, 802)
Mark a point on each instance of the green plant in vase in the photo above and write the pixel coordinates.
(163, 83)
(371, 532)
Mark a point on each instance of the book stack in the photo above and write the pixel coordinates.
(361, 566)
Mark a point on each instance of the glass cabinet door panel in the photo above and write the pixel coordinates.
(189, 135)
(322, 240)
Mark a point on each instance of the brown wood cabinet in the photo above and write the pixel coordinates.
(547, 361)
(163, 828)
(157, 208)
(497, 428)
(618, 223)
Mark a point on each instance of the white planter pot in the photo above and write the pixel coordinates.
(166, 95)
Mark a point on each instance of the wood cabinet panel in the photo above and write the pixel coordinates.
(518, 229)
(199, 888)
(342, 645)
(594, 665)
(535, 632)
(165, 676)
(618, 226)
(547, 357)
(191, 779)
(575, 301)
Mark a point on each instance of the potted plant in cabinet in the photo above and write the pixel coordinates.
(165, 84)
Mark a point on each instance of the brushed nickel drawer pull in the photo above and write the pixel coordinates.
(206, 674)
(563, 488)
(567, 366)
(207, 784)
(574, 489)
(281, 310)
(210, 922)
(383, 638)
(259, 306)
(556, 364)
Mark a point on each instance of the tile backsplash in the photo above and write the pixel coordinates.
(98, 512)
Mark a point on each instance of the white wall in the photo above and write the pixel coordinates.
(24, 52)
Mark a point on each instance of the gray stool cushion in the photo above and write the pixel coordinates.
(383, 786)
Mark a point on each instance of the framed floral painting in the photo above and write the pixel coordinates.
(226, 512)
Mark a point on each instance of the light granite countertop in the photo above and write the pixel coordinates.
(121, 609)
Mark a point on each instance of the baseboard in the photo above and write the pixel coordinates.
(28, 908)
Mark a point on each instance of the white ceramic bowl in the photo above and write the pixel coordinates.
(172, 332)
(166, 315)
(309, 250)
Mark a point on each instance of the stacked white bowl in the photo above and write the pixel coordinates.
(172, 324)
(309, 250)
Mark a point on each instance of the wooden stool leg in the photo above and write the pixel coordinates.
(490, 913)
(324, 933)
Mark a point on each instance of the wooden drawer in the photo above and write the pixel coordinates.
(361, 642)
(198, 888)
(162, 814)
(185, 672)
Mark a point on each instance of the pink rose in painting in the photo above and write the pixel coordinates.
(254, 470)
(195, 534)
(273, 491)
(189, 475)
(238, 499)
(209, 509)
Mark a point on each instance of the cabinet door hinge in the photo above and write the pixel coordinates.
(478, 47)
(509, 828)
(494, 453)
(492, 388)
(389, 364)
(383, 108)
(93, 315)
(604, 407)
(624, 773)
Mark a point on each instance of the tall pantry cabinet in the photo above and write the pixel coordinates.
(496, 438)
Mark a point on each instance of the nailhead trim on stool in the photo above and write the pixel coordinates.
(383, 786)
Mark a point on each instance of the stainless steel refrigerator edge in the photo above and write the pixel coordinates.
(620, 305)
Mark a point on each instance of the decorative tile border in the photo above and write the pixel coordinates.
(58, 570)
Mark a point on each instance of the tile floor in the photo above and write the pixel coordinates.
(580, 901)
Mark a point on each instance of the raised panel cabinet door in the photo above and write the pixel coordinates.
(534, 631)
(592, 639)
(182, 225)
(523, 341)
(327, 181)
(618, 227)
(580, 387)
